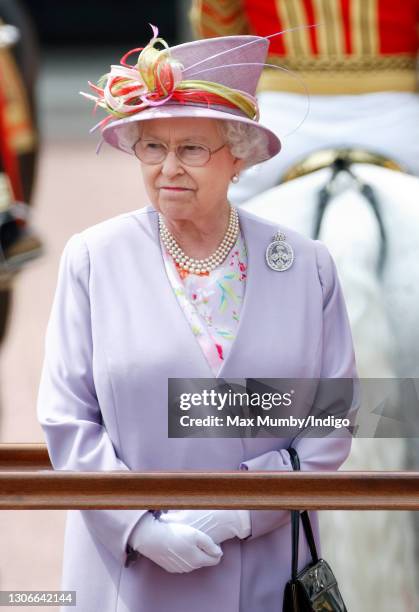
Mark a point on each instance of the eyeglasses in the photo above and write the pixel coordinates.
(190, 154)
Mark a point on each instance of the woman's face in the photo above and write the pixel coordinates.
(179, 191)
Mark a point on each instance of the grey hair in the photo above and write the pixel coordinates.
(245, 141)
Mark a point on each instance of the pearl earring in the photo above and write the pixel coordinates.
(235, 178)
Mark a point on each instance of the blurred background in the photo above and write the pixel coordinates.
(361, 72)
(68, 187)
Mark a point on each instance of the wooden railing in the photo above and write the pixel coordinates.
(27, 481)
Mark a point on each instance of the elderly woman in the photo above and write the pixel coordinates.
(187, 287)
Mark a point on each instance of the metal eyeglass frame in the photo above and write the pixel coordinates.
(175, 149)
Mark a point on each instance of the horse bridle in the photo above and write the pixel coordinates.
(341, 160)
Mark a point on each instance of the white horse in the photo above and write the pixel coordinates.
(371, 552)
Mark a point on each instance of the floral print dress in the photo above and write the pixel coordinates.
(211, 301)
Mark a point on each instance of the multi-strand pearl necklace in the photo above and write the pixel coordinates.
(209, 263)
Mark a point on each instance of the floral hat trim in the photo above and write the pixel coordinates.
(155, 79)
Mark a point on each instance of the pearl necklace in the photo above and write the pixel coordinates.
(209, 263)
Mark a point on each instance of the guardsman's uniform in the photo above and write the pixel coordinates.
(18, 142)
(357, 62)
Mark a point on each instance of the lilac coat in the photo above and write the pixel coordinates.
(116, 334)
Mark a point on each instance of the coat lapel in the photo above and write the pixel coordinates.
(257, 235)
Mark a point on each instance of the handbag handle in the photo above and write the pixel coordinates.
(295, 521)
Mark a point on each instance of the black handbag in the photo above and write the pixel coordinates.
(314, 588)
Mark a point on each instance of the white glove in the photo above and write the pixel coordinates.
(220, 525)
(175, 547)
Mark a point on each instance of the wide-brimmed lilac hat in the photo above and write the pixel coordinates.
(214, 78)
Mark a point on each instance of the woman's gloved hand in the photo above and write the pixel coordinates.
(175, 547)
(220, 525)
